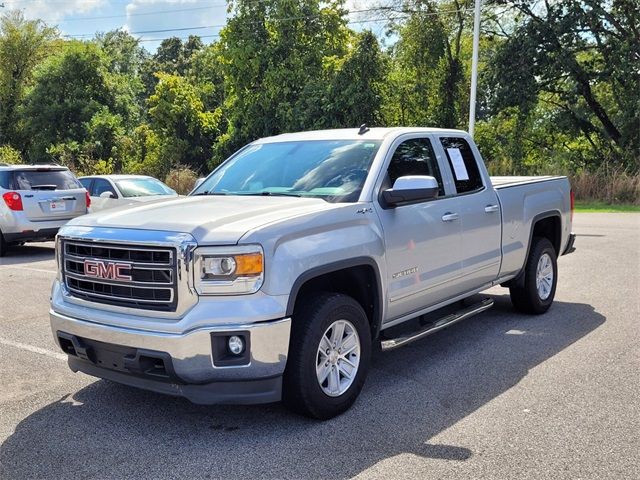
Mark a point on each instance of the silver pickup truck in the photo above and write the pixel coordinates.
(296, 258)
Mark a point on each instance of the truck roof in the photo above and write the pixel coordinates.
(374, 133)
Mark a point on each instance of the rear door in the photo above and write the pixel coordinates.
(49, 193)
(479, 211)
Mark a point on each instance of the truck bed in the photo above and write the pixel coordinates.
(510, 181)
(521, 200)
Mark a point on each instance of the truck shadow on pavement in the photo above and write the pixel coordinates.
(110, 431)
(29, 253)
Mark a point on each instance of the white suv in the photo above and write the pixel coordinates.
(36, 201)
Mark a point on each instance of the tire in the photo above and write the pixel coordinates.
(3, 246)
(312, 323)
(529, 298)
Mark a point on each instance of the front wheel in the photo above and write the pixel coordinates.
(540, 279)
(329, 355)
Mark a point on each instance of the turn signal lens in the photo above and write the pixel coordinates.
(13, 201)
(249, 264)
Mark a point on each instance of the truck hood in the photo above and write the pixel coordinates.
(211, 220)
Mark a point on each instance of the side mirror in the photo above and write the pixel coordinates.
(199, 182)
(411, 189)
(107, 195)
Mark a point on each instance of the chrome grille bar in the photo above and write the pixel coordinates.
(152, 271)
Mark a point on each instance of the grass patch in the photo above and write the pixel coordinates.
(600, 207)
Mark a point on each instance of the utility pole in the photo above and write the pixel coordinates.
(474, 68)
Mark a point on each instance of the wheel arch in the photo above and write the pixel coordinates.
(357, 277)
(548, 225)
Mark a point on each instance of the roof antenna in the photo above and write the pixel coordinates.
(363, 129)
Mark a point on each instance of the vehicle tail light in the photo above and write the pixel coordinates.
(86, 194)
(13, 201)
(573, 202)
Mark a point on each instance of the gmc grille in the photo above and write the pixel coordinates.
(152, 271)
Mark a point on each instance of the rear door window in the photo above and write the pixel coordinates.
(44, 180)
(463, 164)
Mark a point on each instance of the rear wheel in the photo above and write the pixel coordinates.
(329, 356)
(536, 295)
(3, 246)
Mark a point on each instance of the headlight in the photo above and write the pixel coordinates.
(229, 270)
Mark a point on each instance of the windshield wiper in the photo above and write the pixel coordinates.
(207, 192)
(271, 194)
(44, 187)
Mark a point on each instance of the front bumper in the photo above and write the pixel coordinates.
(186, 363)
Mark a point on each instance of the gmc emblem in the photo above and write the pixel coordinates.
(106, 270)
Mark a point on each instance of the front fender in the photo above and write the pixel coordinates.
(310, 243)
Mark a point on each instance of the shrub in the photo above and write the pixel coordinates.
(608, 185)
(9, 155)
(181, 179)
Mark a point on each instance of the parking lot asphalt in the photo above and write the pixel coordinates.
(501, 395)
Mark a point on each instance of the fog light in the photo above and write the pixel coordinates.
(236, 345)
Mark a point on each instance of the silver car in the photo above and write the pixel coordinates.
(110, 191)
(36, 201)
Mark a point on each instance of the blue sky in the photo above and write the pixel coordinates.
(83, 18)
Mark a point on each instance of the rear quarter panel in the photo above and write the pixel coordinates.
(522, 203)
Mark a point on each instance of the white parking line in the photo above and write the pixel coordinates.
(28, 268)
(31, 348)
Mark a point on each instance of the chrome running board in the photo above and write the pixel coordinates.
(438, 325)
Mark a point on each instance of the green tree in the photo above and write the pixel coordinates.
(124, 60)
(172, 56)
(23, 45)
(428, 75)
(186, 130)
(356, 93)
(70, 88)
(580, 57)
(273, 53)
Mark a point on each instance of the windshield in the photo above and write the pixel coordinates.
(45, 179)
(334, 170)
(143, 187)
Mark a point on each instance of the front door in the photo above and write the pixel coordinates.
(423, 240)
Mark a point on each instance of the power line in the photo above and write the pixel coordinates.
(201, 27)
(217, 35)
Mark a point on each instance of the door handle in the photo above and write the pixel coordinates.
(491, 208)
(449, 217)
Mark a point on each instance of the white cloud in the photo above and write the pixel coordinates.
(180, 14)
(55, 10)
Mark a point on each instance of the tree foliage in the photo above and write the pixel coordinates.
(558, 89)
(23, 45)
(580, 60)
